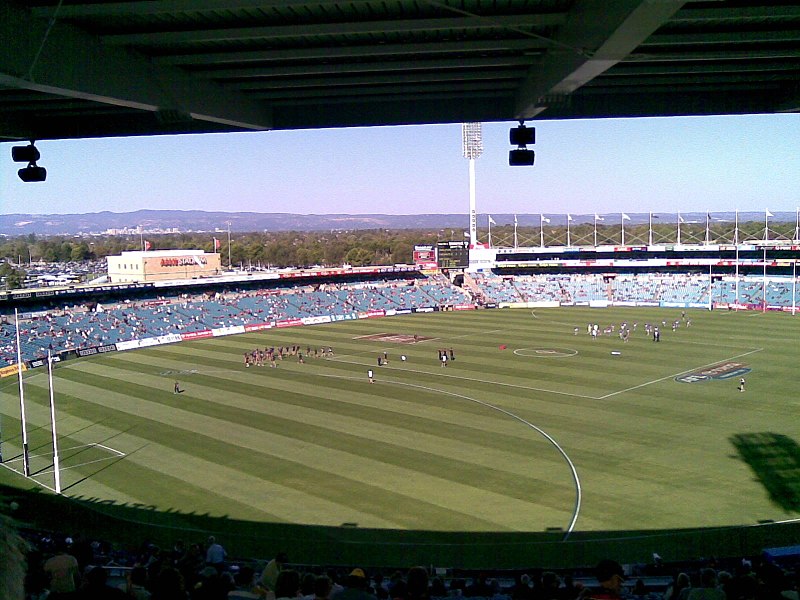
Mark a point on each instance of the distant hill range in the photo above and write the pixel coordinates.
(197, 220)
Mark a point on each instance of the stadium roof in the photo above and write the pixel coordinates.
(89, 69)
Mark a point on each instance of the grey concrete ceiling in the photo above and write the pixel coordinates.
(91, 69)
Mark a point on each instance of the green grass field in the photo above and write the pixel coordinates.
(489, 453)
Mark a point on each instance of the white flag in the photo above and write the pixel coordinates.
(625, 217)
(569, 217)
(769, 214)
(598, 217)
(680, 219)
(545, 219)
(466, 234)
(492, 221)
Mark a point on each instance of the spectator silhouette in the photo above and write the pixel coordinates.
(96, 587)
(610, 577)
(269, 577)
(708, 589)
(62, 572)
(287, 584)
(169, 585)
(479, 587)
(355, 587)
(417, 584)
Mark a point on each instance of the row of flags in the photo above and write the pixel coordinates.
(569, 218)
(597, 217)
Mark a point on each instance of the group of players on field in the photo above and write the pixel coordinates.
(593, 329)
(259, 357)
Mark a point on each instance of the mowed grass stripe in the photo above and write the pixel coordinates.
(495, 431)
(225, 490)
(248, 456)
(429, 456)
(504, 456)
(370, 462)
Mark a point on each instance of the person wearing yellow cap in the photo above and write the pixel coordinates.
(356, 587)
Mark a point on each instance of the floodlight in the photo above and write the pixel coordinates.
(28, 154)
(32, 173)
(521, 157)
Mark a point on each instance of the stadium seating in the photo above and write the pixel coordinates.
(77, 327)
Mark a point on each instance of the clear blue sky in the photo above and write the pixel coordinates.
(582, 167)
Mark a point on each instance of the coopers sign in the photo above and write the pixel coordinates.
(184, 261)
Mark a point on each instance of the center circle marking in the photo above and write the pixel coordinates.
(546, 352)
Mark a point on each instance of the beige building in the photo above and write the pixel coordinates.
(158, 265)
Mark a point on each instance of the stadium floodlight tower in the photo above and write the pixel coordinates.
(472, 147)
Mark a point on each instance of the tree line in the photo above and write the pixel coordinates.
(335, 248)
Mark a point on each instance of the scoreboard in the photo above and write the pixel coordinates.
(453, 254)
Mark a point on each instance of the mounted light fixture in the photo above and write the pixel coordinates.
(522, 136)
(29, 154)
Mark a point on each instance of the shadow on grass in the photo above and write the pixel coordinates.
(775, 459)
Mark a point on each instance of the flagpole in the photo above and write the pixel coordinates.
(650, 230)
(26, 466)
(679, 228)
(229, 246)
(56, 460)
(595, 230)
(490, 231)
(736, 230)
(766, 225)
(708, 233)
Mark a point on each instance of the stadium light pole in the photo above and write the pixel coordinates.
(569, 241)
(229, 245)
(472, 148)
(542, 221)
(737, 270)
(764, 286)
(797, 224)
(515, 232)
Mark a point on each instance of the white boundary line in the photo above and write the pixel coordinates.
(39, 483)
(462, 378)
(641, 385)
(119, 454)
(573, 470)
